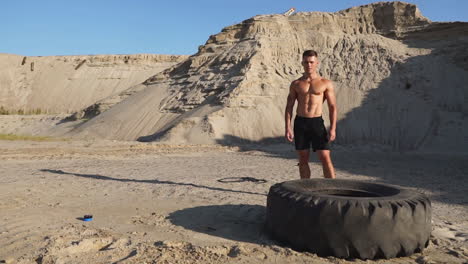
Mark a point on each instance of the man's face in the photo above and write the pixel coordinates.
(310, 64)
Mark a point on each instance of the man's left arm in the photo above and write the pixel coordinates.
(331, 101)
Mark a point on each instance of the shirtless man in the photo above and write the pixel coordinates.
(311, 91)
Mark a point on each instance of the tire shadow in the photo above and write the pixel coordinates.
(239, 222)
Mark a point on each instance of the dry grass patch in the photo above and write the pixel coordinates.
(36, 111)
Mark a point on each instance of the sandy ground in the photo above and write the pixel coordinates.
(155, 203)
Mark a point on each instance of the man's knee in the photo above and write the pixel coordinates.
(303, 157)
(324, 156)
(303, 160)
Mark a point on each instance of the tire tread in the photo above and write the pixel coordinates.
(404, 210)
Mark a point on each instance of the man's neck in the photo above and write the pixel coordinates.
(313, 75)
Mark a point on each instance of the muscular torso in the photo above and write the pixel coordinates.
(310, 96)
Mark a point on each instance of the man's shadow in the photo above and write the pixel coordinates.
(155, 181)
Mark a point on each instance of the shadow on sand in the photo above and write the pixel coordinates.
(107, 178)
(239, 222)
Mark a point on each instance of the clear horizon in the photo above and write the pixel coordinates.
(53, 27)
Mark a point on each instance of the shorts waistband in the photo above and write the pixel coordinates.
(309, 118)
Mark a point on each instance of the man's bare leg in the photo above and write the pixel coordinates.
(327, 165)
(304, 169)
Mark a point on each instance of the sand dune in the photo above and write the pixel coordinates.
(401, 82)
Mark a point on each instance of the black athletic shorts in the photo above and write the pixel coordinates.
(310, 130)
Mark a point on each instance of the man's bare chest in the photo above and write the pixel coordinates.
(310, 88)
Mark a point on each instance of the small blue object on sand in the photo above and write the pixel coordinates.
(87, 218)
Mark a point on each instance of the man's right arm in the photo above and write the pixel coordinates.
(292, 96)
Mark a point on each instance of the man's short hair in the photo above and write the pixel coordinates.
(309, 53)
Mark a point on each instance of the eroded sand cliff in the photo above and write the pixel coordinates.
(401, 82)
(65, 84)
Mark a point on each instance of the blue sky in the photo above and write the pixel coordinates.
(64, 27)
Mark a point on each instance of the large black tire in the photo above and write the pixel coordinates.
(349, 219)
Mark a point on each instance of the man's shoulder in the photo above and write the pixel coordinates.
(296, 82)
(326, 81)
